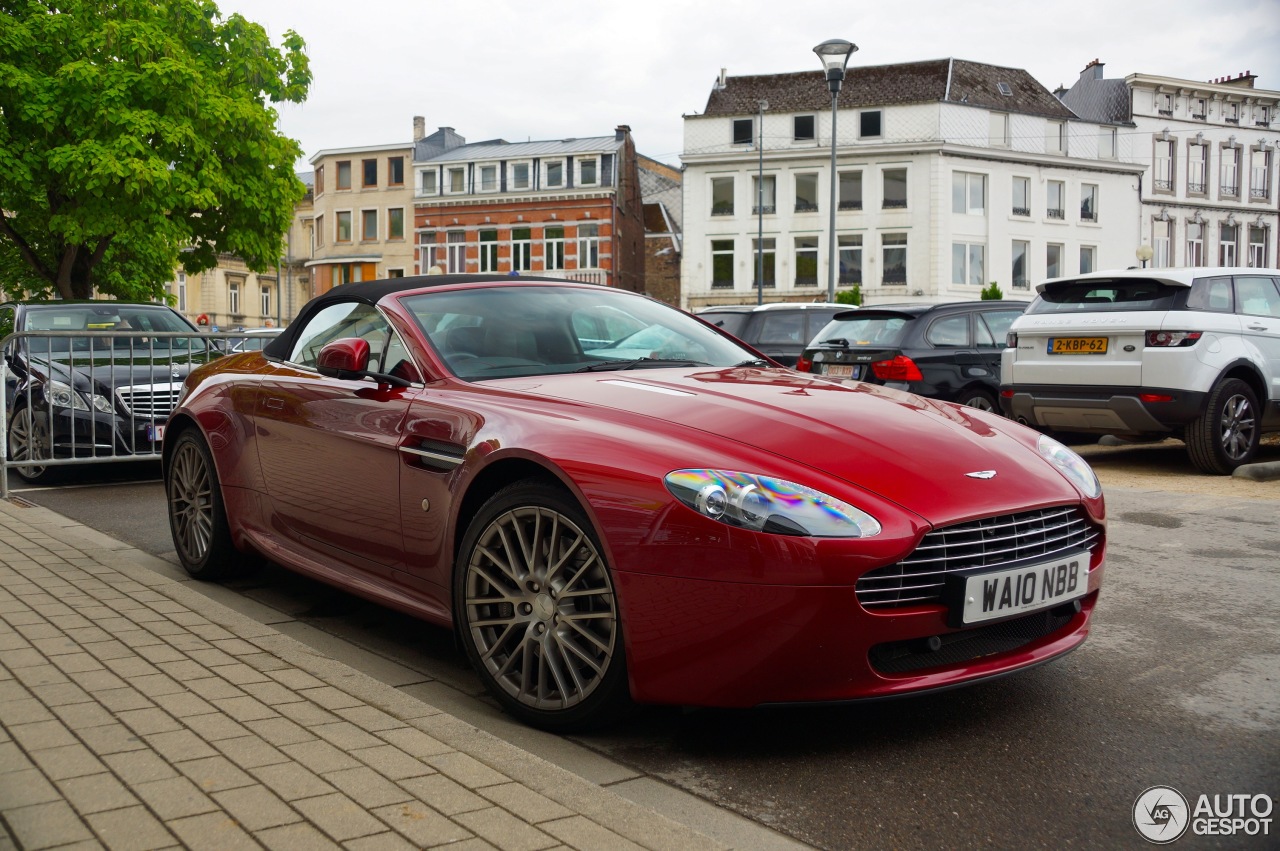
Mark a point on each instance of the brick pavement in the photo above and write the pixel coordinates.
(137, 713)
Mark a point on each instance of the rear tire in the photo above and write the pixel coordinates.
(976, 397)
(197, 517)
(1226, 435)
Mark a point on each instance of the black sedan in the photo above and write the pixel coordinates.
(92, 379)
(943, 351)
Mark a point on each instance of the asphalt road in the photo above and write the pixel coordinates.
(1179, 685)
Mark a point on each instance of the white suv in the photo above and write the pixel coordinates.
(1189, 353)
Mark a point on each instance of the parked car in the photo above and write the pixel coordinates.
(1187, 353)
(92, 396)
(600, 527)
(777, 330)
(254, 339)
(944, 351)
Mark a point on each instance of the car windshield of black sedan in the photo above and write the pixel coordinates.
(133, 326)
(498, 332)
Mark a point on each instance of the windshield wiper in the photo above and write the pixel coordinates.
(753, 362)
(835, 341)
(639, 363)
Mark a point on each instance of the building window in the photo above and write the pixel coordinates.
(1055, 141)
(429, 182)
(1162, 178)
(1264, 116)
(588, 172)
(764, 194)
(806, 193)
(368, 225)
(893, 251)
(344, 174)
(1164, 103)
(1197, 169)
(870, 124)
(770, 249)
(521, 249)
(488, 178)
(456, 252)
(266, 301)
(553, 248)
(722, 196)
(803, 128)
(1199, 109)
(895, 189)
(555, 174)
(850, 190)
(1053, 260)
(968, 193)
(233, 298)
(1257, 246)
(488, 251)
(588, 246)
(1260, 175)
(395, 273)
(1230, 172)
(395, 223)
(1088, 202)
(1195, 244)
(743, 131)
(850, 258)
(369, 174)
(1021, 250)
(806, 261)
(968, 263)
(1107, 143)
(1228, 249)
(519, 176)
(998, 135)
(722, 264)
(319, 180)
(319, 231)
(344, 227)
(1056, 201)
(1161, 244)
(181, 286)
(1021, 196)
(1088, 258)
(1231, 113)
(457, 180)
(395, 171)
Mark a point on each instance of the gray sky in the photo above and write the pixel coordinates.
(520, 70)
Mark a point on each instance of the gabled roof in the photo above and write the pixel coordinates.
(500, 150)
(932, 81)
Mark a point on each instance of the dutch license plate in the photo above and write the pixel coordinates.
(978, 597)
(155, 433)
(1077, 345)
(843, 370)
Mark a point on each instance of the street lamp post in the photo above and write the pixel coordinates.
(1144, 253)
(834, 54)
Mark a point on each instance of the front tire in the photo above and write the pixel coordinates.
(29, 441)
(197, 516)
(1226, 434)
(536, 610)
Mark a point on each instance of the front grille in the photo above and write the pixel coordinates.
(990, 542)
(897, 657)
(151, 401)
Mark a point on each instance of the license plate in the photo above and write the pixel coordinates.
(1077, 345)
(994, 594)
(843, 370)
(155, 433)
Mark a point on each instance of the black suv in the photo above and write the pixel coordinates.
(780, 331)
(945, 351)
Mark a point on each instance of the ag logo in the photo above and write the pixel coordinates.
(1161, 814)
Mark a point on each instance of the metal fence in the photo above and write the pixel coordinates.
(93, 397)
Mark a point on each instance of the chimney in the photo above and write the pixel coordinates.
(720, 80)
(621, 132)
(419, 127)
(1092, 71)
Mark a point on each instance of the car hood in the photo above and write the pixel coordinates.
(914, 451)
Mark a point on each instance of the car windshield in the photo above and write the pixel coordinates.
(1103, 295)
(498, 332)
(867, 329)
(133, 325)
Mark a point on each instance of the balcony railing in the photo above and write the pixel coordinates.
(722, 209)
(1021, 284)
(806, 207)
(894, 276)
(1088, 216)
(1196, 188)
(1022, 211)
(1166, 185)
(1230, 190)
(1232, 120)
(850, 205)
(895, 203)
(767, 209)
(769, 283)
(722, 283)
(1198, 116)
(850, 277)
(806, 280)
(1166, 112)
(1259, 194)
(1055, 214)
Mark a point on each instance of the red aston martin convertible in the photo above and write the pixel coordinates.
(610, 500)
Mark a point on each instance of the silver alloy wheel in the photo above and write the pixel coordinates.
(1237, 426)
(191, 501)
(982, 403)
(28, 441)
(540, 608)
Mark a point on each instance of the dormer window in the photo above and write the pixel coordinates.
(588, 171)
(554, 174)
(518, 180)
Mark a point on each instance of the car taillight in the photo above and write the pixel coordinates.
(1011, 340)
(1173, 339)
(803, 364)
(1154, 397)
(901, 368)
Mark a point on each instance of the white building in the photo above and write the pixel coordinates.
(951, 175)
(1209, 191)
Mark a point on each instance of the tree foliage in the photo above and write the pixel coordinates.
(850, 296)
(992, 292)
(137, 135)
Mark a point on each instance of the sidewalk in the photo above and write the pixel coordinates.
(137, 713)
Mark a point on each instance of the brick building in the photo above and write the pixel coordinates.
(661, 189)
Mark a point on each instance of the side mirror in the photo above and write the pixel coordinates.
(347, 358)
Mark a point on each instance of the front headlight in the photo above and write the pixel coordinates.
(1070, 465)
(63, 396)
(764, 504)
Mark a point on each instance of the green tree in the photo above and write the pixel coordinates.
(992, 292)
(137, 135)
(851, 296)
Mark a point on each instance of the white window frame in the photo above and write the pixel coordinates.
(769, 249)
(886, 247)
(429, 182)
(455, 252)
(553, 249)
(968, 263)
(1107, 143)
(522, 250)
(488, 250)
(1050, 249)
(722, 283)
(807, 175)
(964, 184)
(233, 298)
(1025, 183)
(1197, 168)
(721, 181)
(1089, 190)
(1195, 244)
(1162, 243)
(1228, 244)
(906, 188)
(863, 112)
(1023, 283)
(764, 194)
(488, 173)
(180, 284)
(849, 256)
(1163, 164)
(809, 251)
(1258, 250)
(795, 131)
(458, 187)
(1055, 141)
(998, 130)
(1090, 252)
(513, 181)
(1259, 175)
(1057, 213)
(266, 300)
(581, 178)
(546, 174)
(588, 246)
(1229, 172)
(854, 176)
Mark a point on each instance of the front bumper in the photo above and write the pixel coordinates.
(84, 434)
